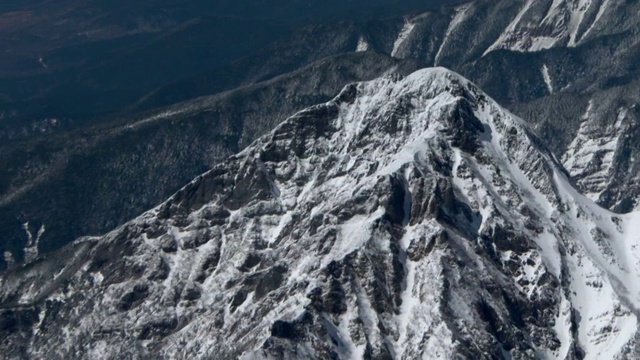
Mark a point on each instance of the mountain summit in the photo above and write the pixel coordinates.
(407, 218)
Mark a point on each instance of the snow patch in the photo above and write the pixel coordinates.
(547, 78)
(363, 45)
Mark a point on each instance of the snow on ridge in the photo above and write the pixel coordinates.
(616, 264)
(404, 34)
(547, 78)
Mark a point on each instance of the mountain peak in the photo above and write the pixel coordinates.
(406, 218)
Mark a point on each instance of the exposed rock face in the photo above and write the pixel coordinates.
(407, 218)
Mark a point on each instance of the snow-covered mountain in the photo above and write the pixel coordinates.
(570, 67)
(407, 218)
(571, 92)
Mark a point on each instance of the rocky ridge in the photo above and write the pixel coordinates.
(407, 218)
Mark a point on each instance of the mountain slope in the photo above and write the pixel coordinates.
(550, 88)
(93, 180)
(407, 218)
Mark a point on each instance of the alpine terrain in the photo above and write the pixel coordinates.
(409, 217)
(108, 107)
